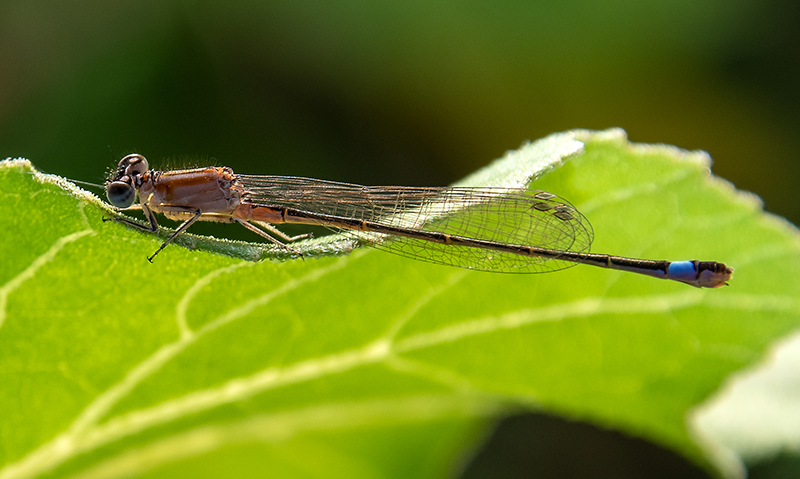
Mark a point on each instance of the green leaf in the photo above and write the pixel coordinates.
(372, 364)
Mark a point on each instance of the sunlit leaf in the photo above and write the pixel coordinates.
(372, 364)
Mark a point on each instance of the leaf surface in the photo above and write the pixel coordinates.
(373, 364)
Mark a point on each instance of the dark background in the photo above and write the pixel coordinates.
(413, 93)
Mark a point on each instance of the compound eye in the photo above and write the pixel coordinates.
(134, 164)
(120, 194)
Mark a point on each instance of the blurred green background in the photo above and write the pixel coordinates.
(414, 92)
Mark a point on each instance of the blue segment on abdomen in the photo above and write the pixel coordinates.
(682, 270)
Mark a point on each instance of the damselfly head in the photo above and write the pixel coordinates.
(120, 189)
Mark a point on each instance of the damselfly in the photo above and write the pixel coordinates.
(482, 228)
